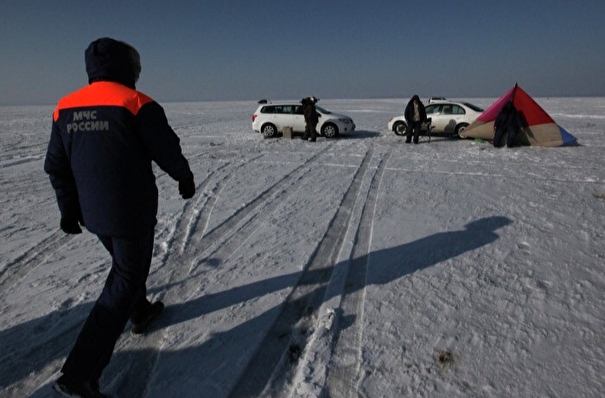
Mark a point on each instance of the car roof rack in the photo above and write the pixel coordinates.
(431, 99)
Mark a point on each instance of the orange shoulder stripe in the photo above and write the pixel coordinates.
(104, 94)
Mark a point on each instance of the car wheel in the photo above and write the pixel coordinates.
(329, 130)
(460, 128)
(269, 130)
(399, 128)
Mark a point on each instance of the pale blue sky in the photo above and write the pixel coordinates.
(247, 50)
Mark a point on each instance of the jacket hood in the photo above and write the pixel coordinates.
(111, 60)
(411, 101)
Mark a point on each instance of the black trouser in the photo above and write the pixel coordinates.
(310, 129)
(124, 293)
(413, 128)
(510, 133)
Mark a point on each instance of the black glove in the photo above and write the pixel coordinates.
(70, 225)
(187, 188)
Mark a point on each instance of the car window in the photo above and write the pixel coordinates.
(298, 110)
(447, 109)
(473, 107)
(458, 110)
(431, 109)
(279, 109)
(322, 110)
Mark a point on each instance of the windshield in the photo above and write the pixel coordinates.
(473, 107)
(322, 110)
(430, 109)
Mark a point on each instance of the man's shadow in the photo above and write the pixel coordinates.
(391, 264)
(385, 266)
(218, 361)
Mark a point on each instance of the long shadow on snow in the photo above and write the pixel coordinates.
(212, 368)
(217, 367)
(385, 266)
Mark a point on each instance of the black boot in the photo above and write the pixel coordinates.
(142, 319)
(69, 387)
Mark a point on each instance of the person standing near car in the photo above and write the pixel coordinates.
(311, 118)
(103, 141)
(414, 114)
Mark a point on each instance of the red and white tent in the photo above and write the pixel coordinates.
(540, 128)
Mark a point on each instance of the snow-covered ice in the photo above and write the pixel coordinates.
(359, 266)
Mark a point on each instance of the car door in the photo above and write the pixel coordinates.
(434, 111)
(447, 122)
(298, 119)
(455, 115)
(273, 114)
(281, 117)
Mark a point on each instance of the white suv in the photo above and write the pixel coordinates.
(271, 118)
(448, 117)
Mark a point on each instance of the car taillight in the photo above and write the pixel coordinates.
(254, 117)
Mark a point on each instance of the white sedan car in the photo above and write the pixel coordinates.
(271, 118)
(448, 117)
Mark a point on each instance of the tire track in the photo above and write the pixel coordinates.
(310, 378)
(30, 260)
(273, 365)
(222, 240)
(343, 376)
(140, 365)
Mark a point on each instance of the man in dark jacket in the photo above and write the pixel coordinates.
(508, 123)
(311, 118)
(414, 115)
(104, 139)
